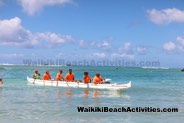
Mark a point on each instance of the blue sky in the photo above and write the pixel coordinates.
(92, 29)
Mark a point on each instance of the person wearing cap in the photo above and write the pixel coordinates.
(86, 78)
(47, 76)
(98, 79)
(70, 77)
(36, 75)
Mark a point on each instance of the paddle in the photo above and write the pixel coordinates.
(87, 85)
(52, 81)
(78, 82)
(63, 80)
(57, 82)
(66, 82)
(34, 81)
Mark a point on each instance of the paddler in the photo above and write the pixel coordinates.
(70, 77)
(36, 75)
(1, 81)
(47, 76)
(59, 76)
(86, 78)
(98, 79)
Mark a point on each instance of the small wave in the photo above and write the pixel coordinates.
(2, 68)
(155, 67)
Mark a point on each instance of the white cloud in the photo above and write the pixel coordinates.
(83, 43)
(180, 43)
(141, 50)
(99, 55)
(122, 55)
(104, 45)
(13, 34)
(174, 46)
(112, 56)
(166, 16)
(52, 39)
(34, 6)
(180, 40)
(169, 46)
(126, 48)
(13, 55)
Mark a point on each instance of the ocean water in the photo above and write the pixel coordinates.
(158, 88)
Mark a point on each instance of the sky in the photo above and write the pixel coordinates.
(130, 30)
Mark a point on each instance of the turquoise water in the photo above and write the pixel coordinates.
(159, 88)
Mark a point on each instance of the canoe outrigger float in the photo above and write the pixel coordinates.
(106, 85)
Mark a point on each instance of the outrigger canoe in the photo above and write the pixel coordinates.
(108, 86)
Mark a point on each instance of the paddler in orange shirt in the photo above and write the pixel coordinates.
(98, 79)
(59, 76)
(46, 76)
(86, 78)
(70, 76)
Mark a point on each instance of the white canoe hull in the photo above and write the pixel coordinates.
(114, 86)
